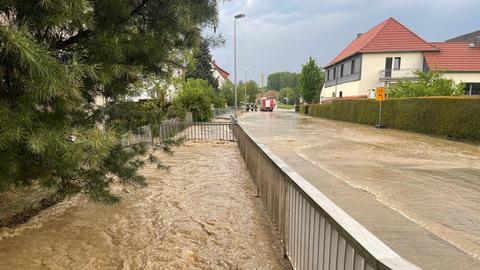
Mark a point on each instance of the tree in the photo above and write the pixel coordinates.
(428, 84)
(279, 80)
(289, 95)
(252, 91)
(311, 80)
(56, 58)
(228, 93)
(202, 67)
(196, 96)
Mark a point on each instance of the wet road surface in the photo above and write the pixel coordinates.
(419, 194)
(201, 214)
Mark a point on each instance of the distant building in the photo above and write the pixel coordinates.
(149, 90)
(470, 37)
(390, 52)
(219, 74)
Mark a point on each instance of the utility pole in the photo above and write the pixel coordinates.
(247, 69)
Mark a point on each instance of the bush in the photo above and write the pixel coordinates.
(455, 117)
(428, 84)
(197, 97)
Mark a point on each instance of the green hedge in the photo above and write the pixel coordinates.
(456, 117)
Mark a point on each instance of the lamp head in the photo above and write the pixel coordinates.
(239, 16)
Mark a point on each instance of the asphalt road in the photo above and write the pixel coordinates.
(417, 193)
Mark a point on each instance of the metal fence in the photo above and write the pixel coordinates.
(226, 113)
(315, 233)
(211, 131)
(17, 204)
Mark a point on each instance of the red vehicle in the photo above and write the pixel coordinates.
(267, 104)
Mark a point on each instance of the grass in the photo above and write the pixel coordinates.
(285, 106)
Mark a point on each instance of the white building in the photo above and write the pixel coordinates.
(219, 74)
(151, 88)
(390, 52)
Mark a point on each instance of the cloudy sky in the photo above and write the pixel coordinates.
(280, 35)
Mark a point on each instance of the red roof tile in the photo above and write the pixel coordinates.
(388, 36)
(454, 56)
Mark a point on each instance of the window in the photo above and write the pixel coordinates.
(352, 68)
(396, 63)
(334, 72)
(341, 70)
(472, 89)
(388, 67)
(328, 75)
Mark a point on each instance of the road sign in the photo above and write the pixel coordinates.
(380, 94)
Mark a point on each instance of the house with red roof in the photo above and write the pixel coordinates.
(219, 74)
(390, 52)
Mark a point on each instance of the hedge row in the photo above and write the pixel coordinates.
(455, 117)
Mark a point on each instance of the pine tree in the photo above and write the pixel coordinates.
(56, 58)
(202, 65)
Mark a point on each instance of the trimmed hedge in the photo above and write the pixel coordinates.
(455, 117)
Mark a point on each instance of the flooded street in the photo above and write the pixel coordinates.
(201, 214)
(419, 194)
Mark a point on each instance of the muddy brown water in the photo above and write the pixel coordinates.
(201, 214)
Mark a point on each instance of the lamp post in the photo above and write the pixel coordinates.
(236, 17)
(247, 69)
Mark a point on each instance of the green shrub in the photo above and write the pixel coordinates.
(304, 108)
(196, 96)
(455, 117)
(428, 84)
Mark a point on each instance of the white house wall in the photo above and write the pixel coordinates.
(464, 77)
(347, 89)
(373, 63)
(219, 77)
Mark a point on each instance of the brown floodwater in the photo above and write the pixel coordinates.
(201, 214)
(420, 194)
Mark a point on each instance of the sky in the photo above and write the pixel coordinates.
(280, 35)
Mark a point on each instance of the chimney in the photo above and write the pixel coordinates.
(359, 35)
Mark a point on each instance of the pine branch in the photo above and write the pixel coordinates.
(87, 33)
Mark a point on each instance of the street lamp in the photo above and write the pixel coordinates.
(246, 69)
(236, 17)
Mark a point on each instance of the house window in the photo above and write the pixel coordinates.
(328, 75)
(352, 68)
(472, 89)
(334, 72)
(396, 63)
(388, 67)
(341, 70)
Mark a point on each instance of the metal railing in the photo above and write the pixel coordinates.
(210, 131)
(398, 74)
(315, 233)
(225, 113)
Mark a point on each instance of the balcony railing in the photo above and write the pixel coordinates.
(398, 74)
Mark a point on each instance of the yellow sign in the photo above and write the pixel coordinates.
(380, 94)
